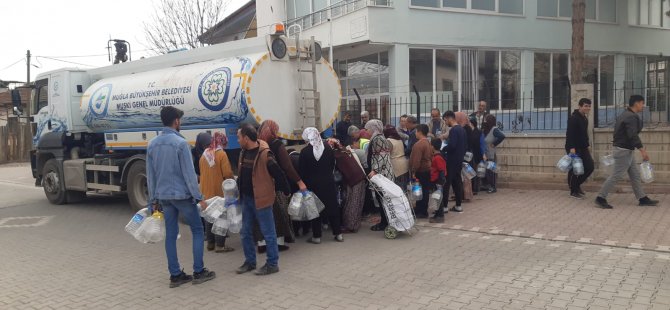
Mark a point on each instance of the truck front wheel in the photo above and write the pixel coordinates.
(138, 191)
(52, 182)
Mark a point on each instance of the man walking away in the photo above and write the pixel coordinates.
(455, 151)
(258, 172)
(173, 188)
(419, 165)
(577, 143)
(626, 140)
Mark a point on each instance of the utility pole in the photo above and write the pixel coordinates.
(28, 67)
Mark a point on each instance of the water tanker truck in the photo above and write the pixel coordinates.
(91, 127)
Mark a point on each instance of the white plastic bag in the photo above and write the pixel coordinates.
(152, 229)
(435, 199)
(396, 204)
(234, 217)
(564, 163)
(646, 172)
(577, 166)
(295, 209)
(220, 226)
(216, 206)
(309, 203)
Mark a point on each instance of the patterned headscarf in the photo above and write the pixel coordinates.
(311, 135)
(268, 130)
(375, 127)
(461, 118)
(219, 142)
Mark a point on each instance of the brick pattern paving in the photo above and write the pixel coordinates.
(552, 215)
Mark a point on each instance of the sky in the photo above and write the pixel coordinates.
(64, 28)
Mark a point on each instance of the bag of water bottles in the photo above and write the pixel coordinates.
(565, 163)
(136, 221)
(152, 229)
(305, 206)
(216, 206)
(220, 226)
(295, 209)
(492, 166)
(646, 172)
(607, 163)
(234, 216)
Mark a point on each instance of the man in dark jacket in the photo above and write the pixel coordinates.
(341, 130)
(455, 151)
(577, 143)
(626, 140)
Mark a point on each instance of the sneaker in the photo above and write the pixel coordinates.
(180, 279)
(647, 202)
(492, 190)
(266, 270)
(203, 276)
(458, 209)
(282, 247)
(339, 238)
(437, 219)
(210, 246)
(314, 240)
(223, 249)
(576, 195)
(246, 267)
(378, 227)
(602, 202)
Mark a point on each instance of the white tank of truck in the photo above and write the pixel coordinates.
(248, 88)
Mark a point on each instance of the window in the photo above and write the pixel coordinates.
(596, 10)
(514, 7)
(552, 83)
(560, 95)
(541, 74)
(606, 86)
(649, 13)
(488, 79)
(510, 89)
(421, 71)
(42, 95)
(369, 76)
(446, 76)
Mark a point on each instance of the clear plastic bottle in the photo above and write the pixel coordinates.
(564, 163)
(577, 166)
(646, 172)
(481, 169)
(468, 156)
(468, 171)
(435, 199)
(136, 221)
(417, 191)
(230, 190)
(152, 229)
(492, 166)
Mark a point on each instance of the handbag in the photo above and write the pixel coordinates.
(347, 164)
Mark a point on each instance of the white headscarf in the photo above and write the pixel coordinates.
(311, 135)
(375, 127)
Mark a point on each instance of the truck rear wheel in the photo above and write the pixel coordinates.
(52, 182)
(138, 191)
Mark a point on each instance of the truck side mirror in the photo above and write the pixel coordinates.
(16, 102)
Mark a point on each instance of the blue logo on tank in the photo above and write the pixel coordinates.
(97, 105)
(214, 89)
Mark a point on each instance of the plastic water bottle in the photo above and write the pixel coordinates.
(136, 221)
(468, 156)
(215, 207)
(220, 226)
(577, 166)
(152, 229)
(481, 169)
(417, 191)
(468, 171)
(646, 172)
(492, 166)
(435, 199)
(564, 163)
(230, 190)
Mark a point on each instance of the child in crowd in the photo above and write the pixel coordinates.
(438, 171)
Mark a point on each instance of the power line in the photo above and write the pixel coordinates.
(66, 61)
(7, 67)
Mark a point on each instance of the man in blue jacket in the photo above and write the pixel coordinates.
(173, 188)
(626, 139)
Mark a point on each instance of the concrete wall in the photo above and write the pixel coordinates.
(532, 158)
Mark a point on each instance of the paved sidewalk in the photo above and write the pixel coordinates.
(553, 215)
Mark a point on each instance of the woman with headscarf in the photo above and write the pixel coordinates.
(492, 138)
(462, 120)
(214, 169)
(398, 160)
(202, 142)
(268, 133)
(379, 161)
(317, 163)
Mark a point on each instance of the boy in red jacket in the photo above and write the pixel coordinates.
(438, 171)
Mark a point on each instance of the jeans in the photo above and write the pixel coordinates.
(455, 182)
(624, 161)
(266, 223)
(575, 181)
(171, 211)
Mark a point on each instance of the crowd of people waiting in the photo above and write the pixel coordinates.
(335, 169)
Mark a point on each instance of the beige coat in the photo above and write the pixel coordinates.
(398, 159)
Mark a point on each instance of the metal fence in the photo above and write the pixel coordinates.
(524, 113)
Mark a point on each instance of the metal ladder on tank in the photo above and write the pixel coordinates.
(310, 98)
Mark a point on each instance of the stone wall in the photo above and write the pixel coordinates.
(531, 158)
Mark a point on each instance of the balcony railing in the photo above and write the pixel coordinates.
(335, 11)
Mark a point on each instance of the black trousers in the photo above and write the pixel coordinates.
(454, 181)
(426, 186)
(575, 181)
